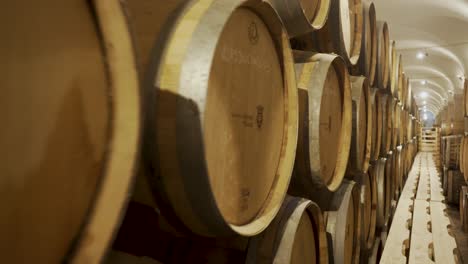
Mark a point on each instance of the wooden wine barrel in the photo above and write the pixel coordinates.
(383, 43)
(297, 235)
(325, 121)
(398, 169)
(444, 180)
(368, 57)
(390, 184)
(404, 126)
(341, 33)
(463, 204)
(361, 143)
(408, 97)
(457, 127)
(392, 62)
(465, 96)
(383, 192)
(376, 124)
(445, 129)
(70, 137)
(343, 220)
(396, 124)
(386, 112)
(302, 16)
(376, 253)
(368, 205)
(409, 127)
(397, 79)
(451, 151)
(461, 154)
(238, 95)
(455, 181)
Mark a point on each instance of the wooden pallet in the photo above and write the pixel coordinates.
(429, 141)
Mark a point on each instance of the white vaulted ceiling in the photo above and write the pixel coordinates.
(437, 28)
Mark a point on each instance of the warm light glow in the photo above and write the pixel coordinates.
(423, 94)
(423, 82)
(424, 102)
(420, 55)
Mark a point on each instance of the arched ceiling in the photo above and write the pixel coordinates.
(438, 29)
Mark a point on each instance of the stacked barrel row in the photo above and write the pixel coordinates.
(451, 117)
(455, 170)
(176, 130)
(452, 149)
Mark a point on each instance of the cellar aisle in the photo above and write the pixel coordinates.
(421, 231)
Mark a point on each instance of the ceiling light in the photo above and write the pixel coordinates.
(425, 117)
(423, 82)
(424, 110)
(421, 55)
(424, 102)
(423, 94)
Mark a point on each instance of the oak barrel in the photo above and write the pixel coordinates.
(396, 124)
(361, 143)
(386, 113)
(343, 220)
(383, 43)
(376, 253)
(397, 79)
(465, 97)
(368, 58)
(325, 121)
(461, 154)
(376, 124)
(383, 192)
(455, 181)
(398, 169)
(239, 95)
(302, 16)
(463, 205)
(70, 138)
(368, 204)
(451, 151)
(296, 235)
(392, 88)
(341, 33)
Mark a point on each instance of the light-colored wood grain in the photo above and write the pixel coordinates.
(367, 59)
(231, 119)
(341, 34)
(392, 89)
(421, 236)
(436, 187)
(325, 123)
(297, 235)
(383, 42)
(383, 193)
(302, 16)
(368, 204)
(386, 111)
(71, 122)
(394, 251)
(444, 243)
(224, 80)
(359, 156)
(376, 125)
(344, 223)
(376, 253)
